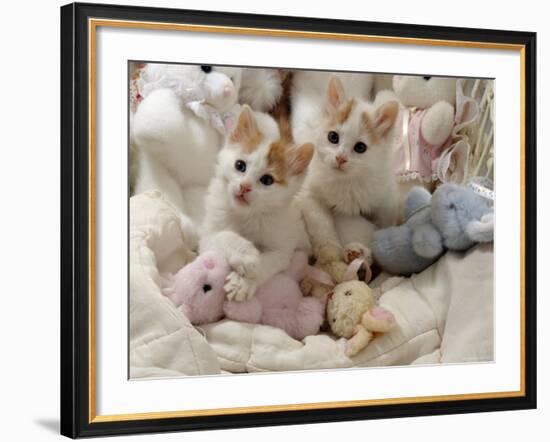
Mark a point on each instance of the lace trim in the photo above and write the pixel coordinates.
(414, 175)
(483, 188)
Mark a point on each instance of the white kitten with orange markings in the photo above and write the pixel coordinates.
(350, 177)
(309, 89)
(250, 212)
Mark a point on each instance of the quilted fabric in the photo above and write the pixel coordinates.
(444, 314)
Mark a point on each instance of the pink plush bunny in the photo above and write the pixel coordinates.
(198, 289)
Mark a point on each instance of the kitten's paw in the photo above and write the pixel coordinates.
(356, 250)
(239, 288)
(246, 264)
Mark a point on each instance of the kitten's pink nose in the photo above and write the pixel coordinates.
(227, 91)
(245, 188)
(341, 159)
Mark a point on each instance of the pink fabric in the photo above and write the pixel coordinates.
(421, 158)
(415, 158)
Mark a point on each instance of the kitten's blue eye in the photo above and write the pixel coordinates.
(267, 180)
(240, 165)
(426, 78)
(333, 137)
(206, 69)
(360, 147)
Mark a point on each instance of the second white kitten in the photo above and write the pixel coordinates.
(350, 186)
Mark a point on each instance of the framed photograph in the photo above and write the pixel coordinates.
(274, 220)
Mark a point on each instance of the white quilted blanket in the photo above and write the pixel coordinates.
(444, 314)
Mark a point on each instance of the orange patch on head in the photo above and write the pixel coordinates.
(246, 132)
(277, 161)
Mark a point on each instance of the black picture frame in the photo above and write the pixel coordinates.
(75, 221)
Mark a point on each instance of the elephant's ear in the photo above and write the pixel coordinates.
(481, 230)
(417, 198)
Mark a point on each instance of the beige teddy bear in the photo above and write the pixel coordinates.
(332, 268)
(352, 313)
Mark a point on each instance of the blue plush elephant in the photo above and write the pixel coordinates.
(453, 218)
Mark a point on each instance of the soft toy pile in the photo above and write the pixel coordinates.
(453, 218)
(331, 269)
(198, 289)
(209, 139)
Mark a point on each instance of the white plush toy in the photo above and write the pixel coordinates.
(382, 82)
(261, 89)
(434, 110)
(181, 115)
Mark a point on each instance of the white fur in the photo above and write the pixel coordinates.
(185, 77)
(438, 123)
(335, 201)
(382, 82)
(309, 90)
(177, 149)
(261, 88)
(258, 238)
(438, 95)
(423, 92)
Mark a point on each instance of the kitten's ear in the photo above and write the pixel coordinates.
(386, 115)
(300, 158)
(246, 131)
(336, 95)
